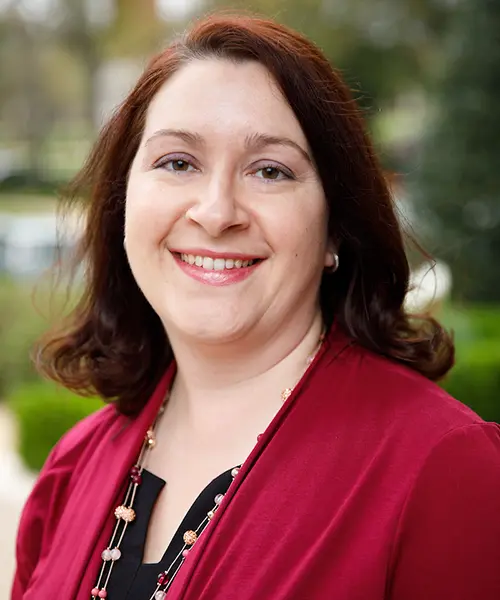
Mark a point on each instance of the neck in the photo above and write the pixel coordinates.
(235, 378)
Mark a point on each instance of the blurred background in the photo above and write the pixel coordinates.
(425, 72)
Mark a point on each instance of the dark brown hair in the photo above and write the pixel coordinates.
(114, 344)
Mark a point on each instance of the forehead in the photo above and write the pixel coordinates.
(219, 96)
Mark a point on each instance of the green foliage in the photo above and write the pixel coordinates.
(45, 412)
(474, 324)
(26, 313)
(475, 379)
(20, 326)
(29, 182)
(383, 48)
(459, 182)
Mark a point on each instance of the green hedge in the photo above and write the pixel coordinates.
(475, 379)
(45, 412)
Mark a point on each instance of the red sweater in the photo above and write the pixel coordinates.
(370, 484)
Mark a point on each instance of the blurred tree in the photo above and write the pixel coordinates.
(383, 47)
(24, 106)
(387, 50)
(458, 184)
(78, 34)
(135, 31)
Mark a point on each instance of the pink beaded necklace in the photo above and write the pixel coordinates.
(125, 513)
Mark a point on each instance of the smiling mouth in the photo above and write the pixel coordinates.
(216, 264)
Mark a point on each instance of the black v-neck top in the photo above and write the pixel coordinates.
(130, 578)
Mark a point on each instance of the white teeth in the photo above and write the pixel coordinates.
(208, 263)
(217, 264)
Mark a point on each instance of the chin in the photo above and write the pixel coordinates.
(207, 329)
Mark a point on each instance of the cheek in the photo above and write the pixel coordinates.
(300, 231)
(148, 213)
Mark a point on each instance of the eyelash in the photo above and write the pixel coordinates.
(161, 163)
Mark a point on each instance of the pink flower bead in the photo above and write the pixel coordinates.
(95, 592)
(185, 553)
(103, 594)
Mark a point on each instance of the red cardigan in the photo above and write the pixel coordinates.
(370, 484)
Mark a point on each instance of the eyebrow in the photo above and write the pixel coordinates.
(187, 136)
(257, 141)
(254, 141)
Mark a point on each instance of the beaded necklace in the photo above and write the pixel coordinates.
(125, 513)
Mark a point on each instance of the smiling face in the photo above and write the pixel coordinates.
(226, 219)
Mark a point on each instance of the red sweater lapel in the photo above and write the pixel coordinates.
(70, 567)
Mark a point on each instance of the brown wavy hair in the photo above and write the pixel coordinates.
(114, 344)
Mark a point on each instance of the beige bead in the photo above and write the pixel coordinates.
(190, 537)
(285, 394)
(125, 514)
(150, 438)
(210, 514)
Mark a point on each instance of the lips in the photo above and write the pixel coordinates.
(216, 270)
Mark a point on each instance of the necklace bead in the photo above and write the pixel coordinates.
(190, 537)
(106, 555)
(125, 513)
(136, 478)
(150, 438)
(160, 595)
(116, 554)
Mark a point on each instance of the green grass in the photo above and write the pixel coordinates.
(27, 203)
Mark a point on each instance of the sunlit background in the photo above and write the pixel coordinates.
(425, 72)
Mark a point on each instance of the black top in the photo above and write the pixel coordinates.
(130, 578)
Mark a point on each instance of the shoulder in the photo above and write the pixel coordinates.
(447, 540)
(46, 502)
(79, 438)
(403, 396)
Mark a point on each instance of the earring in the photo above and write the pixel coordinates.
(335, 266)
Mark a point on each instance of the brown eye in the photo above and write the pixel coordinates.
(271, 173)
(179, 165)
(175, 165)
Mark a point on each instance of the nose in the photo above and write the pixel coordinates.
(217, 209)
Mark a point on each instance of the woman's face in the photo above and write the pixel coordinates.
(226, 219)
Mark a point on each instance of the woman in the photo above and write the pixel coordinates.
(236, 211)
